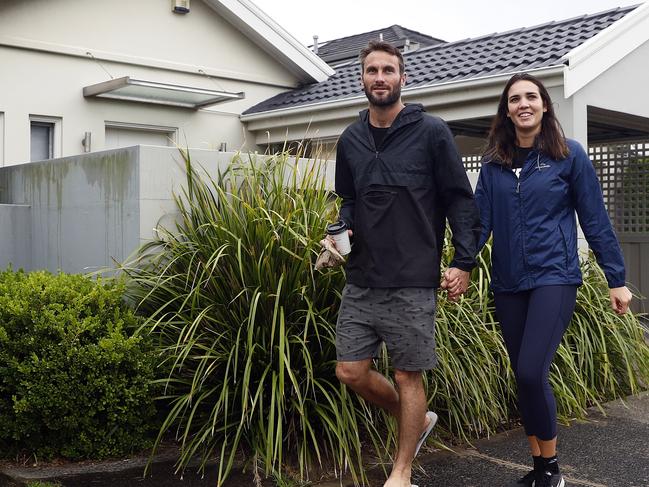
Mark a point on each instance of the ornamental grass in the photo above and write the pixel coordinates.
(245, 330)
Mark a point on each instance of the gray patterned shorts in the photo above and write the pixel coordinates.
(403, 318)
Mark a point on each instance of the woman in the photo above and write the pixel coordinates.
(531, 183)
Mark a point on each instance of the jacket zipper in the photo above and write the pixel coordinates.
(522, 220)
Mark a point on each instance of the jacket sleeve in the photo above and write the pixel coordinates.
(483, 201)
(593, 218)
(344, 187)
(456, 197)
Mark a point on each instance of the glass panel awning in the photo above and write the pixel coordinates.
(130, 89)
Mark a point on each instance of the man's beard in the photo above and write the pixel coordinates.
(389, 100)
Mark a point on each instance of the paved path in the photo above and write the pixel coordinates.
(605, 451)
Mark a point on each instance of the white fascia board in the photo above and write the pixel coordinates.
(590, 59)
(463, 91)
(271, 37)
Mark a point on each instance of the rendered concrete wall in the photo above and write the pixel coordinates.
(92, 211)
(84, 209)
(165, 175)
(15, 236)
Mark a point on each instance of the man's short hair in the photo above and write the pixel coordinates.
(381, 46)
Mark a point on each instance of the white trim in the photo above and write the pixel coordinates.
(438, 89)
(90, 54)
(590, 59)
(57, 135)
(271, 37)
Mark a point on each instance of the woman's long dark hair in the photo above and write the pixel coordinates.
(501, 142)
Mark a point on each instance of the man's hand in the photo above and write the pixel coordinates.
(455, 282)
(620, 299)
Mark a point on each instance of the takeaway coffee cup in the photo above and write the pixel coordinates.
(339, 233)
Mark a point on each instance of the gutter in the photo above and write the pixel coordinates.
(438, 89)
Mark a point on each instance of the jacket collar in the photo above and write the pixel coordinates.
(410, 113)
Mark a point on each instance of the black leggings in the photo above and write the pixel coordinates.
(532, 324)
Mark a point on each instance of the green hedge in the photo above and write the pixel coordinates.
(74, 378)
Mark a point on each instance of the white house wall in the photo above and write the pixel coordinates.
(621, 88)
(43, 48)
(142, 31)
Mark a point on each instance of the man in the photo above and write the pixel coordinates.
(400, 177)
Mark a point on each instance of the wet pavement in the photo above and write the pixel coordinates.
(609, 450)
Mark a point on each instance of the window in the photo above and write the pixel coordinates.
(44, 135)
(42, 141)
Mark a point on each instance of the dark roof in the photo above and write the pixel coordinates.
(508, 52)
(347, 48)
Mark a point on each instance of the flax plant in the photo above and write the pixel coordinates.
(602, 356)
(245, 327)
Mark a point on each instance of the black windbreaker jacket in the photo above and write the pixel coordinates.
(397, 197)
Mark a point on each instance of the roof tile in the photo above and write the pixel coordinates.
(521, 49)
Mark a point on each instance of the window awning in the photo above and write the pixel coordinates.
(130, 89)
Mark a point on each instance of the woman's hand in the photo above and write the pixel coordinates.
(620, 299)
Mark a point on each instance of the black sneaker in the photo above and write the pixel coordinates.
(548, 479)
(527, 480)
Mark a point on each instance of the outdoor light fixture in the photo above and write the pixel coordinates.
(87, 137)
(137, 90)
(180, 6)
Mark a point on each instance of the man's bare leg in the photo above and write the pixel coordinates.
(409, 402)
(412, 402)
(369, 384)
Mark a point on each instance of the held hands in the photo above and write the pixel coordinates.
(620, 299)
(455, 282)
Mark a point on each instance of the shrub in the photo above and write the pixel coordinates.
(246, 328)
(74, 379)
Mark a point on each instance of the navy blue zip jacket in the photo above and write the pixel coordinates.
(396, 198)
(532, 219)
